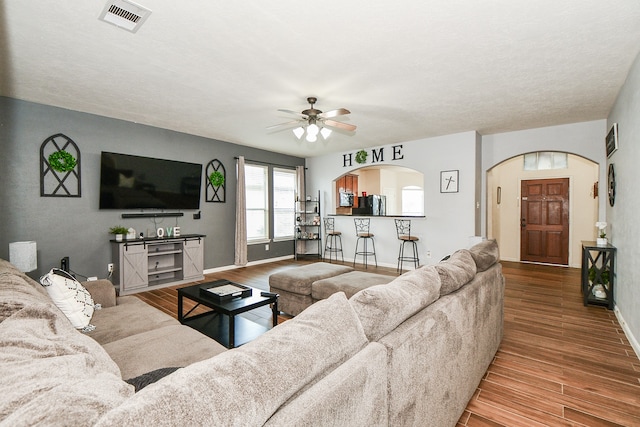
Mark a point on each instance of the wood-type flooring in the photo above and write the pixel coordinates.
(560, 363)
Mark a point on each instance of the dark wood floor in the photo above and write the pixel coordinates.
(559, 364)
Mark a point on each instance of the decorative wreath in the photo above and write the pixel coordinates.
(62, 161)
(361, 157)
(216, 179)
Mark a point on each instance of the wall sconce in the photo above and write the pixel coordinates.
(23, 255)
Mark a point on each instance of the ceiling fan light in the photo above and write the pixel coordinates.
(298, 132)
(311, 138)
(313, 129)
(325, 133)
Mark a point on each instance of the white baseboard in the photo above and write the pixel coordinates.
(260, 261)
(632, 340)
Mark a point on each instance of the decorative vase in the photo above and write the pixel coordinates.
(119, 237)
(601, 241)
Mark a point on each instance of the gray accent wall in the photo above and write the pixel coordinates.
(75, 227)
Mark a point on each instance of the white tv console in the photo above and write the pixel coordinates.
(152, 263)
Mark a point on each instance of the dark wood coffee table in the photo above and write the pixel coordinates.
(221, 323)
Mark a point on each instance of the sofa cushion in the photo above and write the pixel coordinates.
(349, 283)
(459, 269)
(70, 296)
(129, 317)
(485, 254)
(51, 374)
(246, 385)
(171, 345)
(17, 290)
(383, 307)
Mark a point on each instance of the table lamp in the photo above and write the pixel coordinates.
(23, 255)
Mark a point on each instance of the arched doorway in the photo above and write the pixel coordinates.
(504, 203)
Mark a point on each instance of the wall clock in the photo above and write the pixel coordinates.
(611, 183)
(449, 181)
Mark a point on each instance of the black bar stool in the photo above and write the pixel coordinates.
(333, 238)
(403, 230)
(362, 232)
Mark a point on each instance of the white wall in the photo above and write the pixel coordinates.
(449, 217)
(583, 139)
(623, 219)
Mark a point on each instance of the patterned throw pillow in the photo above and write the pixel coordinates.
(70, 297)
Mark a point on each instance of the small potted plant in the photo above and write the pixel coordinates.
(601, 240)
(119, 232)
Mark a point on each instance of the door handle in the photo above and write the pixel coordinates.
(523, 222)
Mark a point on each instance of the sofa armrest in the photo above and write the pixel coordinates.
(102, 292)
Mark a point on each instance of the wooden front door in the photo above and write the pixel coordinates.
(544, 221)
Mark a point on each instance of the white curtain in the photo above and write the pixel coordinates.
(300, 191)
(241, 217)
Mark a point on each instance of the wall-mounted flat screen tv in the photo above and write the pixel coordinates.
(135, 182)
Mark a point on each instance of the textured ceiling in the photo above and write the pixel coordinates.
(406, 70)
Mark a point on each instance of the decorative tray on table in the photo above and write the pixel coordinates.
(224, 290)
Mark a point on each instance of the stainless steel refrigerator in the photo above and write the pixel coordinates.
(378, 204)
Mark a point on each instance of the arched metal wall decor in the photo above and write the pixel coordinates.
(216, 181)
(60, 167)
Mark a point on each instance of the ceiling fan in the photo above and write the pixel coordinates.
(313, 122)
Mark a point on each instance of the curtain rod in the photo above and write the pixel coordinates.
(270, 164)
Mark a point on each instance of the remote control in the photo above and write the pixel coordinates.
(268, 294)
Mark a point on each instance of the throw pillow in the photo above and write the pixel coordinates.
(458, 270)
(485, 254)
(70, 297)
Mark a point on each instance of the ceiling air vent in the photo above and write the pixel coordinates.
(124, 14)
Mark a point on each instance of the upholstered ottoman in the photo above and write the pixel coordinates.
(294, 285)
(349, 283)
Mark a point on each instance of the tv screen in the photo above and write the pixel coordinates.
(135, 182)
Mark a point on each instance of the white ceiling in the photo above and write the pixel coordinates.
(406, 70)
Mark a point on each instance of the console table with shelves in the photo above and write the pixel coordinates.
(308, 235)
(151, 263)
(598, 273)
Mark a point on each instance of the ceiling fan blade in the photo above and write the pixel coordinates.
(295, 113)
(285, 125)
(334, 113)
(340, 125)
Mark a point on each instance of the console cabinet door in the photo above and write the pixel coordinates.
(134, 262)
(193, 259)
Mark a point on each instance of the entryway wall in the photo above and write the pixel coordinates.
(503, 219)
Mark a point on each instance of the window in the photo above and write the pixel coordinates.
(412, 200)
(256, 186)
(544, 160)
(284, 188)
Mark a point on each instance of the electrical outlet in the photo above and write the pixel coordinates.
(428, 254)
(110, 267)
(266, 247)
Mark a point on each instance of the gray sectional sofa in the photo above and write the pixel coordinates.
(407, 353)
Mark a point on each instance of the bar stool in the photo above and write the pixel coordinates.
(403, 230)
(362, 232)
(332, 239)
